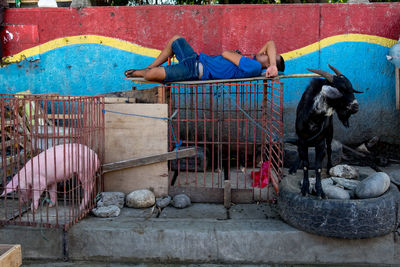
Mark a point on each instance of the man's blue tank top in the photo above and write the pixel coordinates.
(218, 67)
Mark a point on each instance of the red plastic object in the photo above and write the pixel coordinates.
(261, 178)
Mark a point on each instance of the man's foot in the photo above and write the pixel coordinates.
(129, 73)
(135, 72)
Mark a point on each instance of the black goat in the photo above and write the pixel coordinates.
(314, 127)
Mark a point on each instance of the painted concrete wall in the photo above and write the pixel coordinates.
(86, 51)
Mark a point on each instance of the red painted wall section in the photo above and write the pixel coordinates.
(378, 19)
(210, 29)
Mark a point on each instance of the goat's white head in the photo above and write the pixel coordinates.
(339, 94)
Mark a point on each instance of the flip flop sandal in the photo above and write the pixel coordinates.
(130, 72)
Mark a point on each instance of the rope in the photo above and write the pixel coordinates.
(136, 115)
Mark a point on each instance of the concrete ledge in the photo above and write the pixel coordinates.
(36, 243)
(211, 239)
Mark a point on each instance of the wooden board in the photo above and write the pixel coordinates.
(258, 78)
(118, 100)
(10, 255)
(173, 155)
(129, 137)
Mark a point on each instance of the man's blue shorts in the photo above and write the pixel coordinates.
(187, 69)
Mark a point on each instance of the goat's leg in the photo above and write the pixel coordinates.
(329, 138)
(329, 154)
(319, 156)
(303, 155)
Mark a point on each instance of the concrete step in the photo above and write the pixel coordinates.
(202, 233)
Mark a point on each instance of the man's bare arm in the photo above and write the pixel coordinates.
(269, 49)
(232, 57)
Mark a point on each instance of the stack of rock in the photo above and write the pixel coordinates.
(109, 204)
(145, 199)
(344, 184)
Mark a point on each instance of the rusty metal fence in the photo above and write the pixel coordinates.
(237, 130)
(51, 148)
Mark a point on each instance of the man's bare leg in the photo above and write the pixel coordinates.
(156, 74)
(165, 53)
(161, 59)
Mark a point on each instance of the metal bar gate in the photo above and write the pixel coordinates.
(50, 152)
(237, 131)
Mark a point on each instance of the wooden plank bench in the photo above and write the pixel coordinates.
(199, 82)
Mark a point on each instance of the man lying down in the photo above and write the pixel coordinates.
(191, 66)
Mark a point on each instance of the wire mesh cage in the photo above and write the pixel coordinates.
(237, 131)
(51, 150)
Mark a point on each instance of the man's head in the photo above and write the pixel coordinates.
(264, 60)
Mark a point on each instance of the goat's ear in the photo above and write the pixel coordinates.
(331, 92)
(358, 92)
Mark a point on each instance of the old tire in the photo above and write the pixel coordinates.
(350, 219)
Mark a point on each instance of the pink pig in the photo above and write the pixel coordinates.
(63, 161)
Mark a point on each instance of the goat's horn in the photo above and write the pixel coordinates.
(335, 70)
(324, 74)
(358, 92)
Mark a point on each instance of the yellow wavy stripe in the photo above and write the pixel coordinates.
(127, 46)
(365, 38)
(82, 39)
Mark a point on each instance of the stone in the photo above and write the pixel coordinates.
(326, 181)
(373, 186)
(162, 202)
(346, 183)
(139, 199)
(344, 171)
(181, 201)
(106, 211)
(364, 172)
(312, 180)
(334, 192)
(395, 177)
(352, 194)
(111, 198)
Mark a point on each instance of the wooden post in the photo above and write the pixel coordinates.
(227, 194)
(161, 94)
